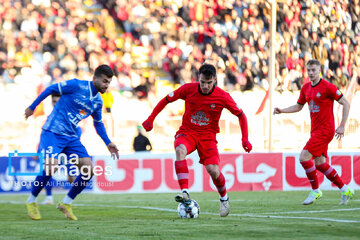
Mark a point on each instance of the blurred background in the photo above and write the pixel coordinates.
(155, 46)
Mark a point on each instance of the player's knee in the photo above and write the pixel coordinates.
(86, 169)
(305, 156)
(320, 160)
(180, 152)
(213, 171)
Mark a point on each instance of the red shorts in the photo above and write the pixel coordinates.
(318, 145)
(205, 145)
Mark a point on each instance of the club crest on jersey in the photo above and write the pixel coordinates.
(338, 92)
(318, 95)
(171, 94)
(213, 106)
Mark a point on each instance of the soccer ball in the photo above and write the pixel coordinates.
(188, 211)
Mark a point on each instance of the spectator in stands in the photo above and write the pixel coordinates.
(141, 142)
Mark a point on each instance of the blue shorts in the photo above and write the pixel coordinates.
(53, 144)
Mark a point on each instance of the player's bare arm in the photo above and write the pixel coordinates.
(28, 113)
(294, 108)
(339, 132)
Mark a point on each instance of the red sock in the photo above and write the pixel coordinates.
(310, 170)
(220, 184)
(182, 173)
(331, 174)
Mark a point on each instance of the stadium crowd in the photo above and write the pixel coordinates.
(58, 40)
(235, 35)
(154, 45)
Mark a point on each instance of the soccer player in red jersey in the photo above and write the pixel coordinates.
(204, 102)
(320, 96)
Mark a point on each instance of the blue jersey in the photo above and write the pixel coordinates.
(79, 99)
(77, 102)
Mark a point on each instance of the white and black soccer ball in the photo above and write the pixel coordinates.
(191, 210)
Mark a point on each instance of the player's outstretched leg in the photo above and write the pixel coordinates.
(219, 182)
(345, 196)
(333, 176)
(37, 186)
(66, 205)
(77, 186)
(311, 174)
(313, 196)
(182, 173)
(48, 188)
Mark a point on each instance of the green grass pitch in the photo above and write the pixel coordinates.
(254, 215)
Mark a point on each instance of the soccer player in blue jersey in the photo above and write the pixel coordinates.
(71, 178)
(79, 99)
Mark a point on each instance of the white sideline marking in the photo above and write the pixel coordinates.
(215, 214)
(289, 217)
(316, 211)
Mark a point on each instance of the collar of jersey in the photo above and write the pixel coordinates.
(93, 91)
(316, 84)
(204, 93)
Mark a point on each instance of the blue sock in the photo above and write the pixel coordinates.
(39, 183)
(48, 187)
(78, 185)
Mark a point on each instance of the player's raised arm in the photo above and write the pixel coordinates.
(148, 123)
(48, 91)
(339, 132)
(58, 88)
(294, 108)
(171, 97)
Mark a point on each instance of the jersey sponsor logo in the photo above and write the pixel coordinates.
(200, 119)
(83, 112)
(318, 95)
(338, 92)
(213, 106)
(83, 105)
(63, 83)
(313, 108)
(171, 94)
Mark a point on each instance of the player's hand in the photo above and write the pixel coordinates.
(247, 146)
(114, 151)
(339, 132)
(28, 113)
(277, 111)
(148, 124)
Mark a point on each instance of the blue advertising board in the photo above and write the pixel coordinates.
(19, 170)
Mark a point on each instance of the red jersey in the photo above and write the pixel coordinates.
(203, 111)
(320, 99)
